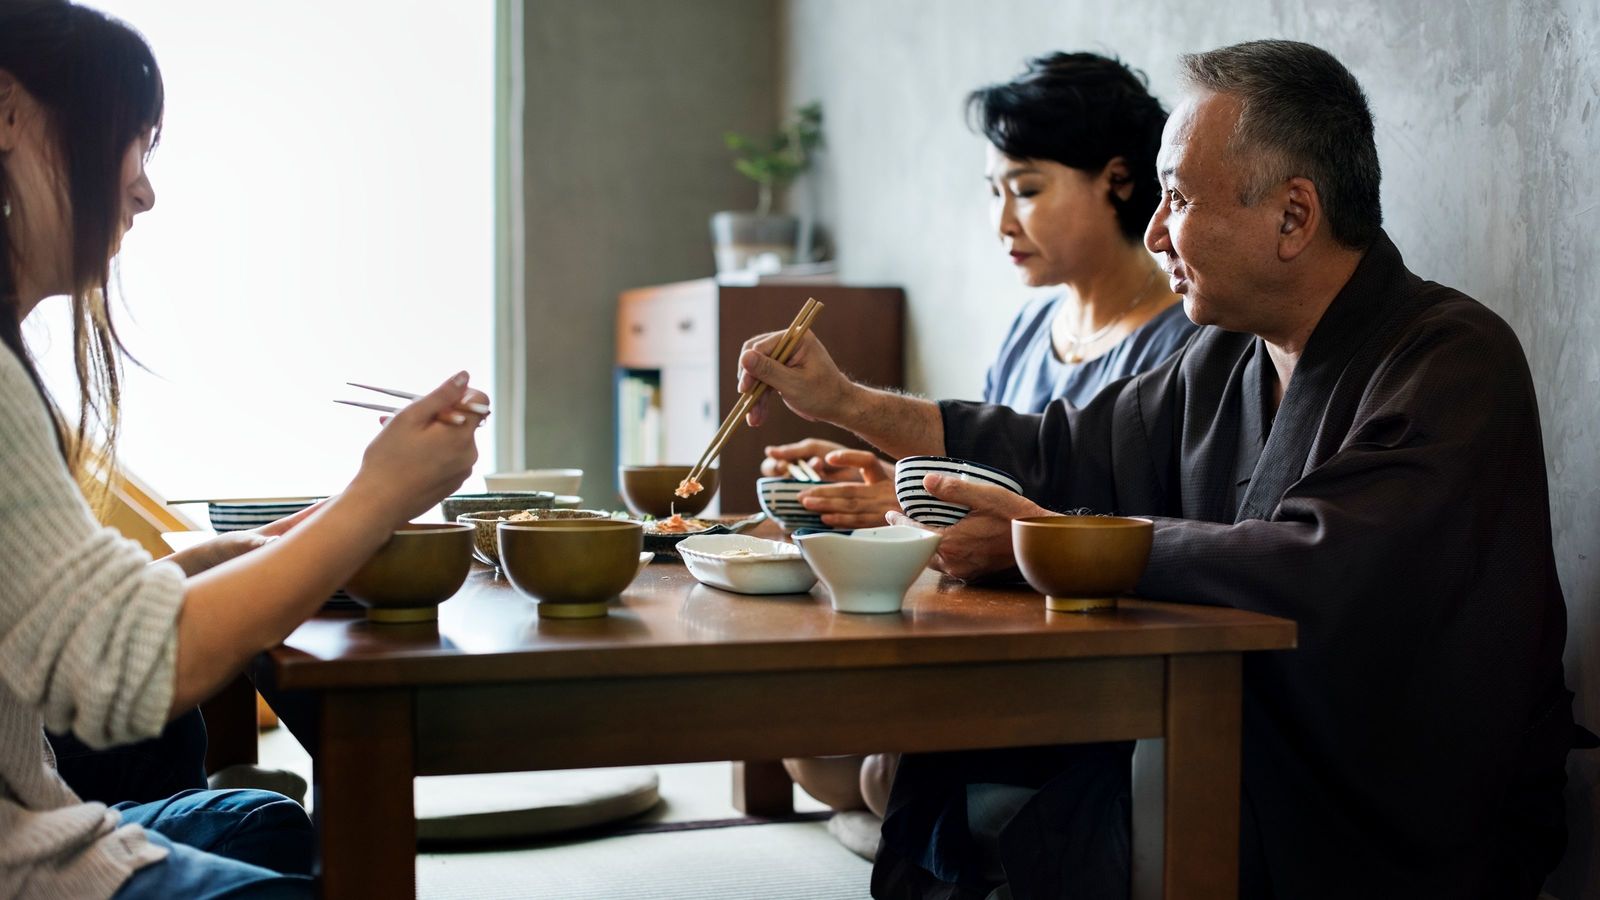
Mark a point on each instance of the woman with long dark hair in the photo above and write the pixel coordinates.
(95, 640)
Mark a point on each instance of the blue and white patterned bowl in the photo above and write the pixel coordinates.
(245, 516)
(778, 499)
(927, 509)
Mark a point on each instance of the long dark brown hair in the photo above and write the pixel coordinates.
(100, 90)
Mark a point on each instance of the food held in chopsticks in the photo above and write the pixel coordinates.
(688, 488)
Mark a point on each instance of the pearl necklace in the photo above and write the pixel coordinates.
(1073, 353)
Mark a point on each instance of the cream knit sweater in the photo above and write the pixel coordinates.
(88, 636)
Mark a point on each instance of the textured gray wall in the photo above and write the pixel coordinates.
(626, 104)
(1488, 119)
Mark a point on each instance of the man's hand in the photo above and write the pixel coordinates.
(813, 450)
(810, 383)
(979, 544)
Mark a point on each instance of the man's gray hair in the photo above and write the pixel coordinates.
(1301, 114)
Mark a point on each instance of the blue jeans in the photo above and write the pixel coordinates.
(234, 844)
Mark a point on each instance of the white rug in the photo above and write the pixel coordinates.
(793, 861)
(771, 862)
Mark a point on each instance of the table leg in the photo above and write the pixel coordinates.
(231, 731)
(1186, 786)
(364, 810)
(762, 788)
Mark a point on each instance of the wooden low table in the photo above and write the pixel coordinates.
(680, 672)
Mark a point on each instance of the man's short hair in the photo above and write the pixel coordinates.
(1301, 114)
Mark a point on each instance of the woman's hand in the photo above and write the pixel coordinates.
(424, 452)
(979, 544)
(810, 383)
(812, 450)
(223, 547)
(857, 504)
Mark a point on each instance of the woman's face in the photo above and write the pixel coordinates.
(41, 213)
(1057, 222)
(138, 196)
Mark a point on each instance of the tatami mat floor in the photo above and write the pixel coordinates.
(772, 862)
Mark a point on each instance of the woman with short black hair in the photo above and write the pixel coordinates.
(1071, 167)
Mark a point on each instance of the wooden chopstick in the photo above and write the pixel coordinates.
(733, 414)
(749, 398)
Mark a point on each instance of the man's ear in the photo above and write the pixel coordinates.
(1300, 217)
(1120, 178)
(10, 102)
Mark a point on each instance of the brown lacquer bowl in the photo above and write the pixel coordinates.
(486, 527)
(421, 566)
(1081, 563)
(571, 567)
(648, 490)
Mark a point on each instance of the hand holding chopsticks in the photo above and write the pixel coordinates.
(455, 417)
(787, 344)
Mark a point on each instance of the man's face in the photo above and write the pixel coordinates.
(1219, 253)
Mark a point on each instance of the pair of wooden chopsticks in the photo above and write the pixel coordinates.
(477, 408)
(785, 349)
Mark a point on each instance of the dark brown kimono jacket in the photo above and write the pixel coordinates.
(1396, 508)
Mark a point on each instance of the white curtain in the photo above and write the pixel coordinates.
(324, 213)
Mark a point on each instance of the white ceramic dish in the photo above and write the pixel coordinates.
(761, 566)
(930, 510)
(869, 569)
(557, 481)
(566, 501)
(645, 558)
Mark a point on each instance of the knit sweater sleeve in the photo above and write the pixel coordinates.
(88, 629)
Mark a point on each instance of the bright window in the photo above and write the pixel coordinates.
(324, 213)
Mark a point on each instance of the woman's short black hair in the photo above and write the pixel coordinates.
(1081, 110)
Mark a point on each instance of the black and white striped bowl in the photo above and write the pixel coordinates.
(927, 509)
(778, 499)
(245, 516)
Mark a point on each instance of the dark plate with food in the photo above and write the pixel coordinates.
(663, 535)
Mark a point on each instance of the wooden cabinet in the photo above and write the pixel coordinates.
(677, 351)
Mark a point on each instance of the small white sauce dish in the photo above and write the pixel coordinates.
(868, 570)
(746, 565)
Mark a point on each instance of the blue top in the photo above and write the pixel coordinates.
(1026, 375)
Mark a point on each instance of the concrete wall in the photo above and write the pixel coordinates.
(626, 104)
(1488, 119)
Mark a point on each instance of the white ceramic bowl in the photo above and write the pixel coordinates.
(778, 499)
(869, 569)
(759, 566)
(556, 481)
(930, 510)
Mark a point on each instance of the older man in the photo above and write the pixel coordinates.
(1349, 446)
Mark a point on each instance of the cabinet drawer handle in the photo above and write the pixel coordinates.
(686, 325)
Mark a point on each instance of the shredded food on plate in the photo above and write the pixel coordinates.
(677, 524)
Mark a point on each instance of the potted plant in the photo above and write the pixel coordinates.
(765, 240)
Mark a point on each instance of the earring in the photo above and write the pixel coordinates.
(7, 204)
